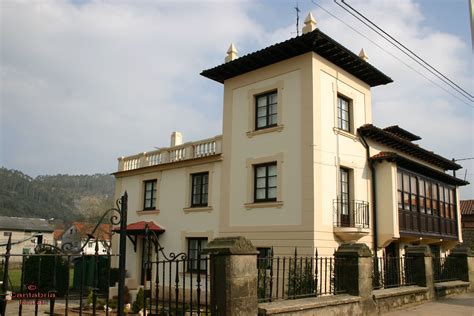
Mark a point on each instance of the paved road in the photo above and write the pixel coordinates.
(456, 305)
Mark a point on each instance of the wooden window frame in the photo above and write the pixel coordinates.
(201, 186)
(192, 260)
(266, 199)
(153, 191)
(267, 106)
(340, 110)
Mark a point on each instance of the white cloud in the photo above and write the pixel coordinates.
(84, 84)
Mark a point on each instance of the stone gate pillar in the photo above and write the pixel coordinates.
(465, 263)
(422, 266)
(354, 267)
(233, 263)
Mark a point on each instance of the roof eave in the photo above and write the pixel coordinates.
(315, 41)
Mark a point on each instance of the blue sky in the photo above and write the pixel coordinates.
(85, 82)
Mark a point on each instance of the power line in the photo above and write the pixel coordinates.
(418, 59)
(389, 53)
(461, 159)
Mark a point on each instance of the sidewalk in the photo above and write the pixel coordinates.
(457, 305)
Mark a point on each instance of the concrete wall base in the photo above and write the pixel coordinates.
(445, 289)
(329, 305)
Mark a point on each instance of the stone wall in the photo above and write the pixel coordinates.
(390, 299)
(234, 282)
(450, 288)
(343, 304)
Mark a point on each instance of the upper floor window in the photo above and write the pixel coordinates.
(149, 202)
(199, 192)
(265, 182)
(266, 110)
(424, 195)
(343, 113)
(196, 261)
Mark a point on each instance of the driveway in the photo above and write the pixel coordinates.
(462, 304)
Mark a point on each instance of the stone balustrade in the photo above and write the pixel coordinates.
(189, 150)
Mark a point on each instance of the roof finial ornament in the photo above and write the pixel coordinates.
(363, 55)
(309, 24)
(231, 53)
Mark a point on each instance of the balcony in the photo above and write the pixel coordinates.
(427, 225)
(186, 151)
(351, 219)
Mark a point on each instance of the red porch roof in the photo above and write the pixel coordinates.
(139, 227)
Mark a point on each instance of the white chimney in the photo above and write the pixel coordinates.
(176, 139)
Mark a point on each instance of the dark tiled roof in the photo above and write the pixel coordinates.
(401, 144)
(315, 41)
(467, 207)
(414, 166)
(25, 224)
(403, 133)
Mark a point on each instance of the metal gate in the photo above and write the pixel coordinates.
(175, 283)
(66, 280)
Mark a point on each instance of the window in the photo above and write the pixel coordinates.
(199, 192)
(343, 113)
(195, 246)
(266, 110)
(26, 251)
(150, 195)
(344, 184)
(264, 258)
(413, 188)
(265, 182)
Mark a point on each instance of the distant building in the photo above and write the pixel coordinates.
(26, 233)
(57, 234)
(467, 220)
(76, 235)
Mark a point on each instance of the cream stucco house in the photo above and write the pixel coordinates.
(299, 163)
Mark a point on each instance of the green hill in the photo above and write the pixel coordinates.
(66, 197)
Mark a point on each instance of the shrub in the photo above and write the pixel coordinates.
(301, 279)
(42, 269)
(138, 304)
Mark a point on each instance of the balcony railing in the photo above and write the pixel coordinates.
(190, 150)
(351, 213)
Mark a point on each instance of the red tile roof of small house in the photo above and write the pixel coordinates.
(467, 207)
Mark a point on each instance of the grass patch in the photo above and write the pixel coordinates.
(14, 276)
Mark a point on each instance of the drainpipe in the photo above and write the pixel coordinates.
(374, 198)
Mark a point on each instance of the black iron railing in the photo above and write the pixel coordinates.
(291, 277)
(175, 284)
(351, 213)
(446, 269)
(64, 280)
(393, 272)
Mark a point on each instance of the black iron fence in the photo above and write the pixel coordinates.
(175, 284)
(291, 277)
(351, 213)
(48, 281)
(446, 269)
(393, 272)
(65, 280)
